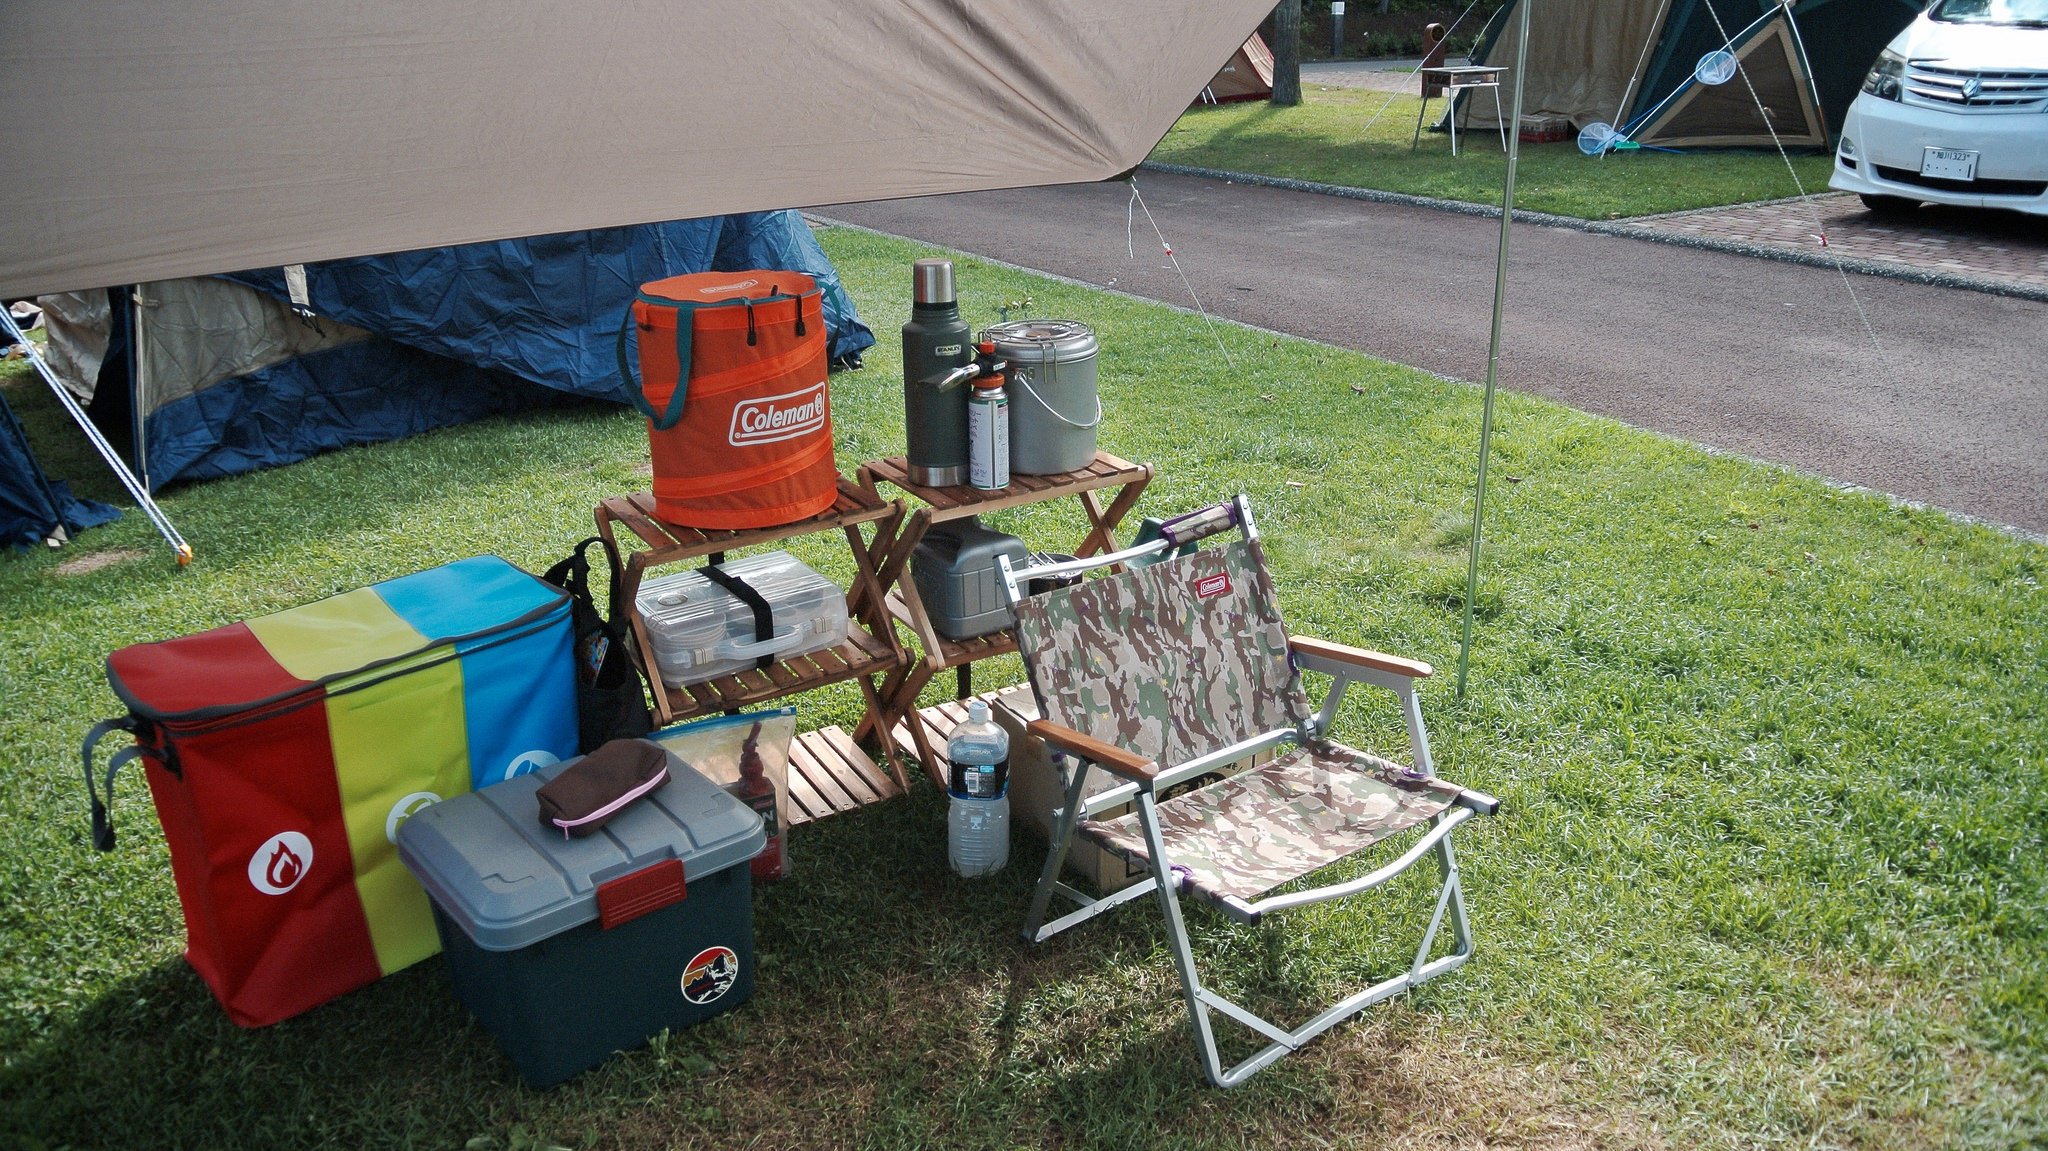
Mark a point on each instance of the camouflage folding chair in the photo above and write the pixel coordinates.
(1178, 665)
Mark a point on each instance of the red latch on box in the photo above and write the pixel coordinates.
(629, 897)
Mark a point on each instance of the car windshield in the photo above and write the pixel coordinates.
(2020, 13)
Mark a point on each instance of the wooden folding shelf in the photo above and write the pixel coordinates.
(837, 775)
(891, 557)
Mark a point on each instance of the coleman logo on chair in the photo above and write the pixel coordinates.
(1209, 587)
(784, 417)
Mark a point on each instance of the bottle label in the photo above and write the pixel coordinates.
(985, 780)
(988, 441)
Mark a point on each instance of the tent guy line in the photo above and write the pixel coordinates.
(1130, 225)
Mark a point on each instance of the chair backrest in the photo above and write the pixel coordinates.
(1169, 661)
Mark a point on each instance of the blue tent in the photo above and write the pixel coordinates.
(232, 378)
(32, 507)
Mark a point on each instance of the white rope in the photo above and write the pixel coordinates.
(1621, 109)
(1137, 204)
(1805, 199)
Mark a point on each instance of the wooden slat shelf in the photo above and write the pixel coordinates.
(830, 775)
(894, 544)
(954, 652)
(954, 502)
(861, 654)
(844, 777)
(667, 542)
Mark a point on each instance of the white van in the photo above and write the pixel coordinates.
(1954, 112)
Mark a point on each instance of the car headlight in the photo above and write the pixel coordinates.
(1886, 76)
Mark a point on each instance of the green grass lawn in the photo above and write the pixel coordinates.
(1770, 868)
(1333, 138)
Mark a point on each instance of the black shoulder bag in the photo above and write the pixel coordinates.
(611, 702)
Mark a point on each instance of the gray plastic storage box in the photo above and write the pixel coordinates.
(954, 566)
(567, 950)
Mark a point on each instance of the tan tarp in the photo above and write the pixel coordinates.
(146, 140)
(1581, 55)
(1247, 75)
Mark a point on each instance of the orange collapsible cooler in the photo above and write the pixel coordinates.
(732, 381)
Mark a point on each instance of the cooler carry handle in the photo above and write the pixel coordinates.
(685, 323)
(685, 334)
(102, 817)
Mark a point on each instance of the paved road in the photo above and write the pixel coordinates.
(1754, 356)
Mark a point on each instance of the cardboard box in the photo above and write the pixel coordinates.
(1545, 129)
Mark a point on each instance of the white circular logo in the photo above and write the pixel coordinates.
(405, 809)
(527, 761)
(281, 862)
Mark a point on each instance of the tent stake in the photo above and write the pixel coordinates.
(106, 450)
(1500, 289)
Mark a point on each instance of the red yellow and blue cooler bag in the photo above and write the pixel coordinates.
(733, 385)
(284, 752)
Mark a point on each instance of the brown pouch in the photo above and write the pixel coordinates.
(589, 792)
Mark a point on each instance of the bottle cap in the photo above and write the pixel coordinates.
(977, 711)
(932, 281)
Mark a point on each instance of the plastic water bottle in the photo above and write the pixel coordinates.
(978, 824)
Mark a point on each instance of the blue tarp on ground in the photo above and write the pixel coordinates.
(361, 393)
(548, 308)
(454, 334)
(32, 507)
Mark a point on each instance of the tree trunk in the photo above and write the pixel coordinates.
(1287, 53)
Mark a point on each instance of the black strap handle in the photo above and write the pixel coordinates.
(102, 816)
(764, 616)
(685, 332)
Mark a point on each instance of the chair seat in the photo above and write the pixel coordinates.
(1274, 823)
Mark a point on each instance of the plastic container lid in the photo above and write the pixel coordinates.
(510, 882)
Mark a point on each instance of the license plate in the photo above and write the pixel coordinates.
(1948, 164)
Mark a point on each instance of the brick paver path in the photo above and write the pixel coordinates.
(1987, 245)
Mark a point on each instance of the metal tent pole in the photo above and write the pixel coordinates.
(1500, 288)
(135, 488)
(138, 370)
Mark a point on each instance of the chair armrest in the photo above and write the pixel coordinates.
(1106, 755)
(1318, 651)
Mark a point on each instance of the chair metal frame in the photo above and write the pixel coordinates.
(1144, 781)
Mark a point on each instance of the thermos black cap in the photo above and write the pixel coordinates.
(932, 282)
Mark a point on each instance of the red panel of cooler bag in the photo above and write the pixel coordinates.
(265, 956)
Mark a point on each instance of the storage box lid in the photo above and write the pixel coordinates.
(510, 881)
(346, 640)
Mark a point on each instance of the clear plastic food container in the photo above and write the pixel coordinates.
(699, 629)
